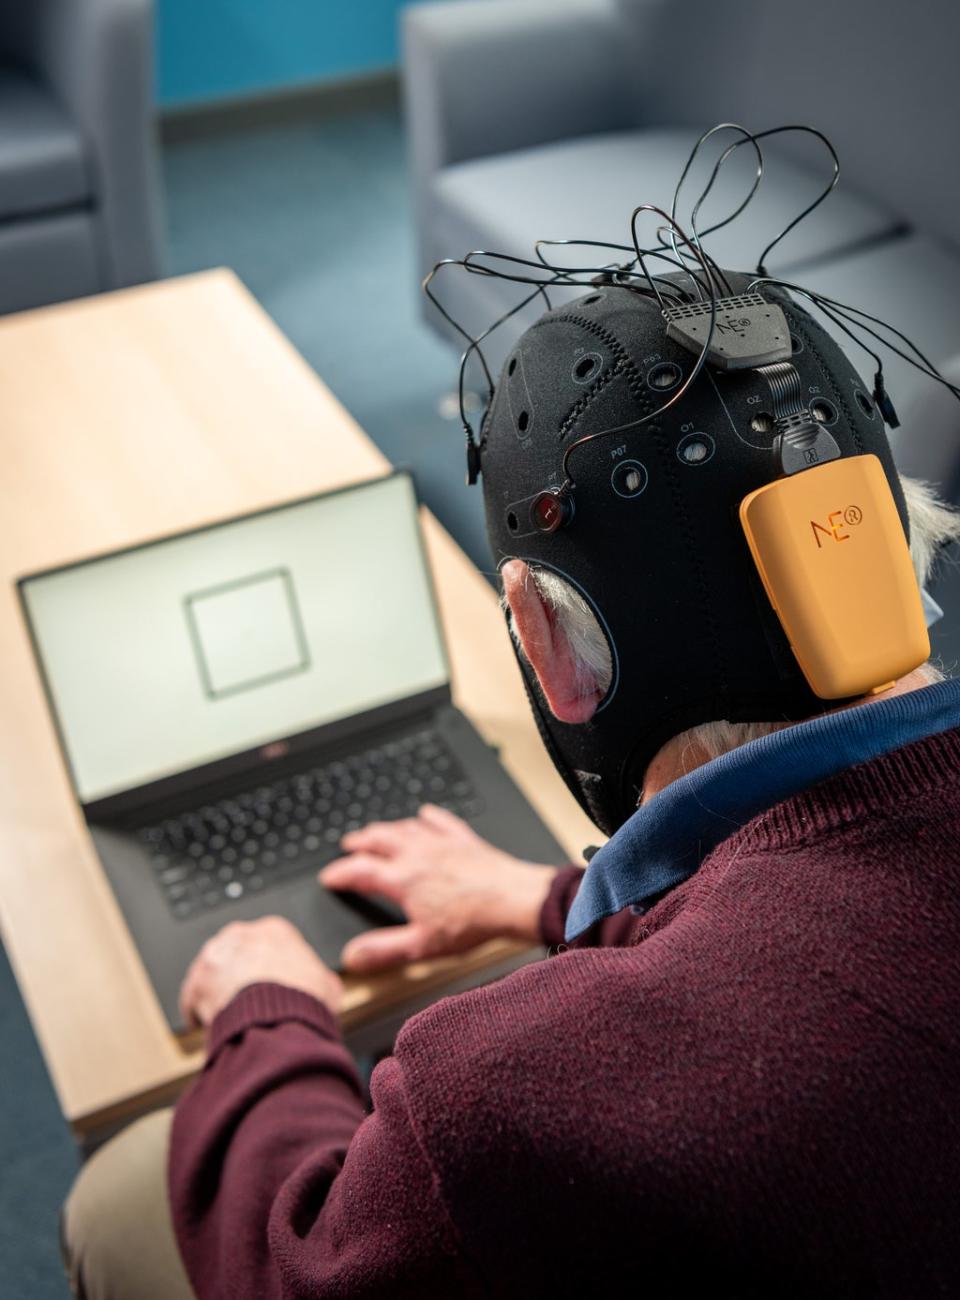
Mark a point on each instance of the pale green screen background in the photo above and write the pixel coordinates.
(203, 646)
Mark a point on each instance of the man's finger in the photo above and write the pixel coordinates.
(442, 819)
(188, 995)
(385, 838)
(364, 873)
(378, 949)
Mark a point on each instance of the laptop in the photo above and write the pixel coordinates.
(231, 700)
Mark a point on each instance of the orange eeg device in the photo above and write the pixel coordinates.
(830, 548)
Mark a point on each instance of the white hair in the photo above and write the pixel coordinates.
(933, 525)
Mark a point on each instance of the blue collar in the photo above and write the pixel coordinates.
(666, 839)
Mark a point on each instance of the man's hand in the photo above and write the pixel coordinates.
(271, 951)
(456, 889)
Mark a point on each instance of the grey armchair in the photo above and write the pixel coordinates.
(80, 207)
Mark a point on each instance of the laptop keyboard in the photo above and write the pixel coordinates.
(222, 852)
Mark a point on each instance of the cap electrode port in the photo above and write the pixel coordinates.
(629, 478)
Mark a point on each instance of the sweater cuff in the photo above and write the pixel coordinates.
(553, 914)
(266, 1005)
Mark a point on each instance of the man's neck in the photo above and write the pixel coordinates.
(680, 755)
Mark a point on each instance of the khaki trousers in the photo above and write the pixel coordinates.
(117, 1233)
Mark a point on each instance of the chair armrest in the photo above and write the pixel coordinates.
(490, 76)
(97, 57)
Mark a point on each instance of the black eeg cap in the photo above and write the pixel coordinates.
(652, 539)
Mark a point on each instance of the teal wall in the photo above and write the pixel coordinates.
(215, 49)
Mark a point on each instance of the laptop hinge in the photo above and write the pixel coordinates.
(269, 760)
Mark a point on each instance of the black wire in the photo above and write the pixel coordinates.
(562, 275)
(821, 306)
(697, 235)
(568, 276)
(717, 271)
(927, 368)
(751, 137)
(568, 483)
(475, 268)
(844, 309)
(640, 254)
(858, 311)
(613, 268)
(828, 189)
(427, 289)
(558, 276)
(473, 344)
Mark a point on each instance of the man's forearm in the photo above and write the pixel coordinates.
(278, 1084)
(279, 1184)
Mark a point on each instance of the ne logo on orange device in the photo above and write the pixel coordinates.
(851, 516)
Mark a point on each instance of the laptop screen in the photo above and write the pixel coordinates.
(190, 649)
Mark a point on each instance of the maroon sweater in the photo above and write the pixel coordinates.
(750, 1091)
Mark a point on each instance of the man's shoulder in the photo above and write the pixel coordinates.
(516, 1064)
(525, 1008)
(890, 796)
(563, 1032)
(758, 938)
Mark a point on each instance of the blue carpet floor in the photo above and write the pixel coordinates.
(37, 1159)
(315, 218)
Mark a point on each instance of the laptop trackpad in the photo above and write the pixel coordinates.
(329, 920)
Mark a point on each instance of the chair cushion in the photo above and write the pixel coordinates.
(42, 165)
(48, 259)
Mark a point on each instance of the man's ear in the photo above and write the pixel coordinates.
(546, 647)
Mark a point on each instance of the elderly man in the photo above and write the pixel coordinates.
(736, 1073)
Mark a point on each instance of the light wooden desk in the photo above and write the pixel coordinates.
(125, 417)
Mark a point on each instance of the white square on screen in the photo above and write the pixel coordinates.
(247, 633)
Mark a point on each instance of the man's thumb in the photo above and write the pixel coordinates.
(378, 949)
